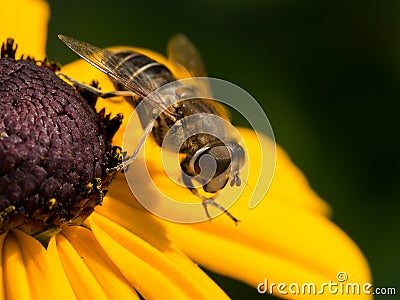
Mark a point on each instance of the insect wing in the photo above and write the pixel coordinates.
(183, 52)
(116, 68)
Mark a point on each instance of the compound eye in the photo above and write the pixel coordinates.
(216, 157)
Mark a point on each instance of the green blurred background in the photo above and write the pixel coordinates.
(327, 74)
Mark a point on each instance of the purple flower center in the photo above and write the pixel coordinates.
(55, 150)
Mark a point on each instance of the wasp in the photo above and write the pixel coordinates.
(137, 76)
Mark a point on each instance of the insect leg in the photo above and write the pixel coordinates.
(129, 159)
(207, 201)
(97, 91)
(210, 201)
(145, 134)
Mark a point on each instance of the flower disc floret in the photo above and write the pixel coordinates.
(54, 150)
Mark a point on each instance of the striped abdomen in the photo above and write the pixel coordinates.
(146, 71)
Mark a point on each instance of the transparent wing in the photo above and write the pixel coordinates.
(116, 68)
(182, 51)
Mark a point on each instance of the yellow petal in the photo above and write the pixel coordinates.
(148, 267)
(82, 280)
(26, 22)
(132, 217)
(106, 273)
(290, 185)
(30, 272)
(15, 271)
(2, 287)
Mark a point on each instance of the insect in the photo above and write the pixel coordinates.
(136, 76)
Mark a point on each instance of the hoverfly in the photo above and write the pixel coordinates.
(136, 76)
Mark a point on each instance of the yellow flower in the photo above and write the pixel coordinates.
(124, 250)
